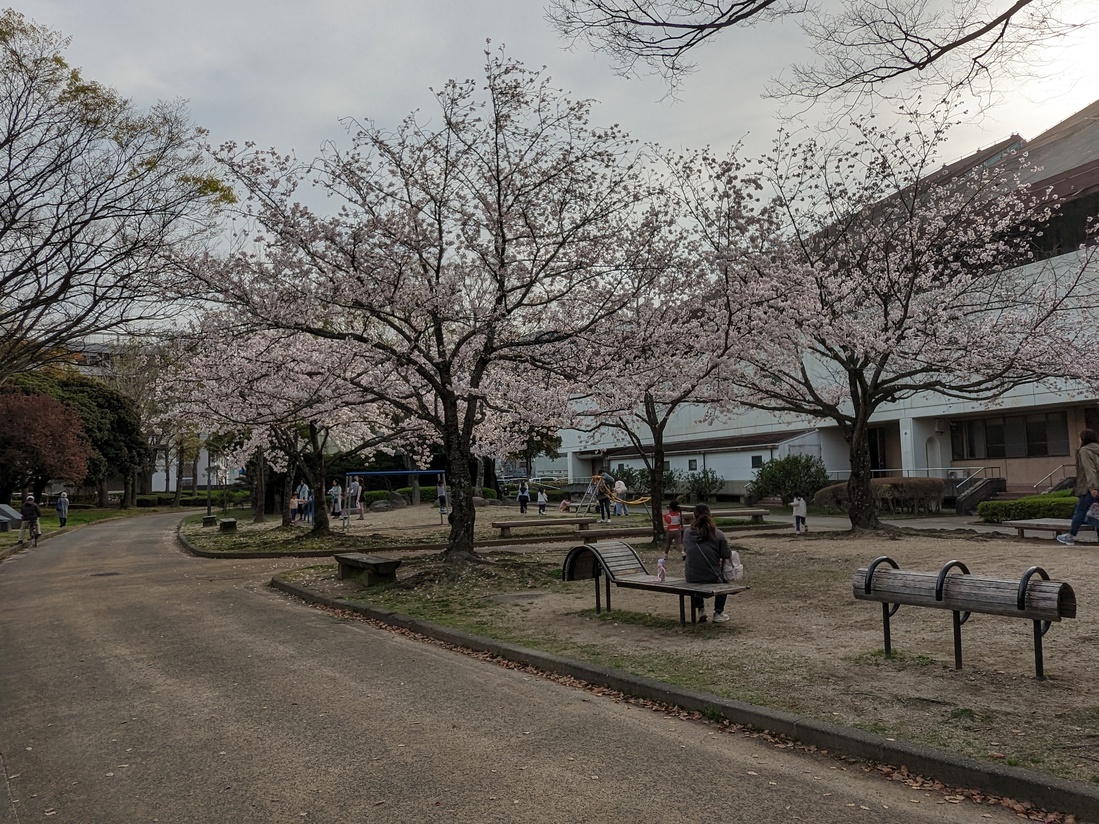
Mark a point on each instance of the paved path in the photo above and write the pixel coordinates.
(139, 684)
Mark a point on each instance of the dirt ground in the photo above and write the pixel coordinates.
(799, 640)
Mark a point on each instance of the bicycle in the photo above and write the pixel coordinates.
(36, 530)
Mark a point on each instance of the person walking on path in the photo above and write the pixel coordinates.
(63, 508)
(707, 549)
(800, 511)
(30, 514)
(543, 499)
(523, 497)
(1086, 486)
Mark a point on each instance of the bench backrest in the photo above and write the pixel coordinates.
(613, 557)
(1042, 600)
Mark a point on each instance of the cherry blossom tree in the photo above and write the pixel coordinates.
(891, 275)
(469, 254)
(672, 347)
(289, 398)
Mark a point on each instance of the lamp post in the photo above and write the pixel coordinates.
(209, 520)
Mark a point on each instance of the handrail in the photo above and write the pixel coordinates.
(1060, 469)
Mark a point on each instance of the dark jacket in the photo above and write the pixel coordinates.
(30, 511)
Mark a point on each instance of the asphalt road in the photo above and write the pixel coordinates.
(140, 684)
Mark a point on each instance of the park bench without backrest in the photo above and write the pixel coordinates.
(370, 569)
(506, 527)
(755, 516)
(1057, 526)
(1033, 597)
(619, 563)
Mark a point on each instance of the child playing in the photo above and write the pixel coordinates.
(799, 508)
(543, 499)
(673, 527)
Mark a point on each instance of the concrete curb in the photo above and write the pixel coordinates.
(1047, 792)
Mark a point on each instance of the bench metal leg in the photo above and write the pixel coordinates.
(1039, 631)
(957, 640)
(683, 612)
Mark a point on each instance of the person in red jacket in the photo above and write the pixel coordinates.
(673, 527)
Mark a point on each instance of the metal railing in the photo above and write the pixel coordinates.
(1048, 481)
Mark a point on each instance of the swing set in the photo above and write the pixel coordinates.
(347, 503)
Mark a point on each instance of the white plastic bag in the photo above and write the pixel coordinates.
(732, 569)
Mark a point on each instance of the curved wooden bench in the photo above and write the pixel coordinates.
(1033, 597)
(617, 562)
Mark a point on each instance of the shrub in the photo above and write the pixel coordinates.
(789, 476)
(488, 493)
(701, 486)
(893, 495)
(1049, 505)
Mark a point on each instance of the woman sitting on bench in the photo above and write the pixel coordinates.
(706, 548)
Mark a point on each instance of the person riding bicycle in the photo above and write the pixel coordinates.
(30, 514)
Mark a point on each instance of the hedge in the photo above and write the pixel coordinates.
(1059, 504)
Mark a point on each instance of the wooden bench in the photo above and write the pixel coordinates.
(1057, 526)
(1033, 597)
(370, 569)
(506, 527)
(755, 516)
(619, 563)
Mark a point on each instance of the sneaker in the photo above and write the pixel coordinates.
(720, 617)
(702, 618)
(1066, 539)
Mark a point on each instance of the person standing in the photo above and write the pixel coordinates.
(355, 497)
(440, 495)
(523, 497)
(603, 484)
(707, 548)
(620, 507)
(543, 499)
(294, 504)
(30, 513)
(1086, 486)
(303, 500)
(63, 508)
(335, 493)
(800, 511)
(673, 528)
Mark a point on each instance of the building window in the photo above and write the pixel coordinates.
(692, 465)
(757, 461)
(1020, 436)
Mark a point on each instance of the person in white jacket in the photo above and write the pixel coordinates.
(800, 510)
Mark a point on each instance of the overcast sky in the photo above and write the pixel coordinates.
(283, 72)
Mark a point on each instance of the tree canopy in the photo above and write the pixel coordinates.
(97, 200)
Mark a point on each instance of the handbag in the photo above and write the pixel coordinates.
(1093, 514)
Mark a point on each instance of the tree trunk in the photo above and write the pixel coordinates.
(862, 504)
(127, 490)
(168, 471)
(259, 488)
(463, 515)
(180, 458)
(194, 475)
(479, 484)
(101, 493)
